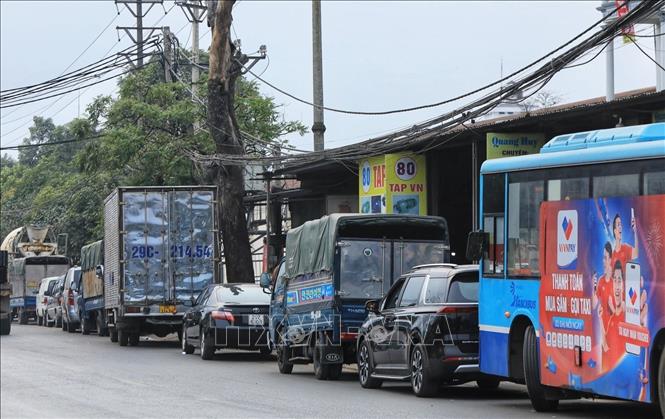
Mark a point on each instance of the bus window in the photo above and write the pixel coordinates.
(654, 183)
(525, 195)
(616, 185)
(493, 221)
(568, 189)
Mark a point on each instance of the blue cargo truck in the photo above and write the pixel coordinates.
(333, 266)
(91, 291)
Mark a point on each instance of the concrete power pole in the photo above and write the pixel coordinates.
(195, 11)
(139, 13)
(318, 128)
(168, 54)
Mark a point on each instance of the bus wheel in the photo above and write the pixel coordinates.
(661, 383)
(532, 374)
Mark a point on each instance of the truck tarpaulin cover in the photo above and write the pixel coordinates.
(602, 293)
(310, 248)
(91, 255)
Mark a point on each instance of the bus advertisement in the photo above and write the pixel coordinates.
(602, 293)
(572, 256)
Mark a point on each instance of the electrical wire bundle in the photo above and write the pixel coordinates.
(98, 72)
(413, 136)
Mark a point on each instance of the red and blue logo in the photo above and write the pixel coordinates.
(566, 252)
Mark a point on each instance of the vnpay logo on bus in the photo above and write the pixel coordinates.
(566, 243)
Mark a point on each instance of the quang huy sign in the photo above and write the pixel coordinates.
(393, 184)
(513, 144)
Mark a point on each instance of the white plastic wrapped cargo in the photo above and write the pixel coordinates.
(167, 243)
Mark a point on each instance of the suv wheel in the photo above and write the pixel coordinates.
(421, 381)
(365, 367)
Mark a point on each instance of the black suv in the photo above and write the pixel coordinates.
(424, 330)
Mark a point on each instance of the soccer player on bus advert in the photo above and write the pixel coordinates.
(611, 318)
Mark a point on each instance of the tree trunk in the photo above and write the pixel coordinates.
(224, 130)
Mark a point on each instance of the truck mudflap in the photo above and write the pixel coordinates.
(332, 354)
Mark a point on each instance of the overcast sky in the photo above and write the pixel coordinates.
(376, 55)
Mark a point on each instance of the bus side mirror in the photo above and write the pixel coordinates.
(265, 280)
(476, 245)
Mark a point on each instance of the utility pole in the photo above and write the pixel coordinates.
(318, 128)
(168, 54)
(139, 13)
(195, 11)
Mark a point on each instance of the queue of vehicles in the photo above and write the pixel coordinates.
(379, 291)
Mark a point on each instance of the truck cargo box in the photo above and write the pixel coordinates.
(160, 247)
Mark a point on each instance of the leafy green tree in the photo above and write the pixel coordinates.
(137, 138)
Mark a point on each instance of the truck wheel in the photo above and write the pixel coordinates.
(532, 374)
(334, 371)
(123, 337)
(102, 330)
(85, 325)
(133, 339)
(321, 370)
(283, 355)
(186, 347)
(422, 382)
(113, 334)
(206, 346)
(40, 320)
(661, 384)
(5, 326)
(22, 317)
(365, 367)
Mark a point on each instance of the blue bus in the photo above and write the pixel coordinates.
(572, 249)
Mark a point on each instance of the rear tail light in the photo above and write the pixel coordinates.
(222, 315)
(348, 336)
(458, 309)
(70, 298)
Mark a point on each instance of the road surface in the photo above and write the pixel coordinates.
(47, 373)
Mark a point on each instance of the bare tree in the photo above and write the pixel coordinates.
(542, 99)
(226, 63)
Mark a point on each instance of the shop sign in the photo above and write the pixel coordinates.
(513, 144)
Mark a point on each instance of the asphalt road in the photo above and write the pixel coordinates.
(47, 373)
